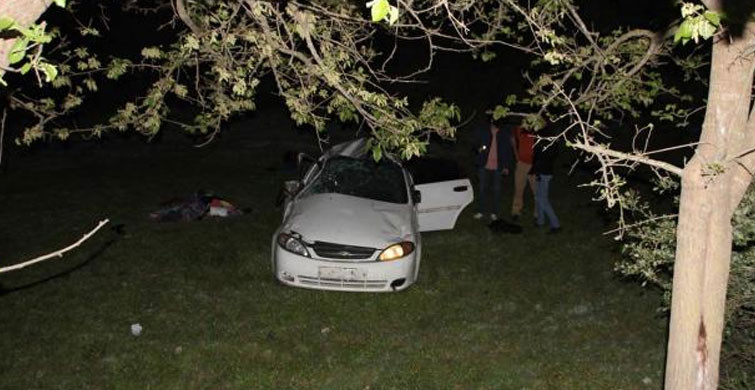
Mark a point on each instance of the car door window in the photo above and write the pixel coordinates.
(432, 170)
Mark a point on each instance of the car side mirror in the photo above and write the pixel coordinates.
(416, 196)
(288, 190)
(303, 162)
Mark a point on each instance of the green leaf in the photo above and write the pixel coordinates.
(393, 15)
(18, 51)
(713, 17)
(6, 23)
(26, 68)
(684, 32)
(60, 3)
(151, 52)
(706, 29)
(377, 153)
(50, 71)
(500, 112)
(380, 9)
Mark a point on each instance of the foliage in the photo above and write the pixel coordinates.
(698, 23)
(321, 58)
(26, 53)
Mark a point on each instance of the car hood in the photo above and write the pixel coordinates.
(349, 220)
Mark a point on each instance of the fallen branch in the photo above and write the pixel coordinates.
(58, 253)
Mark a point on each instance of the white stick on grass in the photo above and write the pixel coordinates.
(58, 253)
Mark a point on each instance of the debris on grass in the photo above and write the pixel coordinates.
(136, 329)
(503, 226)
(197, 206)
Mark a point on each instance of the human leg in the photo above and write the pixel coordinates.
(539, 195)
(520, 180)
(496, 178)
(545, 204)
(482, 189)
(532, 180)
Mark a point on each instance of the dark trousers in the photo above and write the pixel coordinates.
(488, 177)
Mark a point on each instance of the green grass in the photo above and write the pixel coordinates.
(490, 311)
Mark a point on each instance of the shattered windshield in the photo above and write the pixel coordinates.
(364, 178)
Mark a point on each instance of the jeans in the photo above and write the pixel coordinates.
(485, 176)
(544, 208)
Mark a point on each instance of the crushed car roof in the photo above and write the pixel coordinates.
(356, 148)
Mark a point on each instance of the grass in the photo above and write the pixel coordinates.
(490, 311)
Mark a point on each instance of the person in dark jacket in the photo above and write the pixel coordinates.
(542, 168)
(494, 157)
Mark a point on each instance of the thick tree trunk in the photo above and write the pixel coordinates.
(713, 184)
(23, 12)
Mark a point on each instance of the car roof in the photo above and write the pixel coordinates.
(356, 149)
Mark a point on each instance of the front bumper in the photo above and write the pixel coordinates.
(301, 271)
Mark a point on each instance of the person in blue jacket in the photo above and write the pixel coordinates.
(494, 158)
(543, 169)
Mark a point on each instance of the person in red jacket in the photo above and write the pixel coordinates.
(524, 143)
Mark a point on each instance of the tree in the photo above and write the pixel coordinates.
(326, 61)
(713, 184)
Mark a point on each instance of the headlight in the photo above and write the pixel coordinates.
(397, 251)
(292, 244)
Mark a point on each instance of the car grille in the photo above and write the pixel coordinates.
(343, 283)
(330, 250)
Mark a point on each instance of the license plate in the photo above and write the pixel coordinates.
(342, 273)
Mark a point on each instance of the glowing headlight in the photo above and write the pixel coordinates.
(396, 251)
(292, 244)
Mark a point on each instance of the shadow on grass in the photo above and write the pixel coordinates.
(9, 290)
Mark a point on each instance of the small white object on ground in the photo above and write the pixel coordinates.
(218, 211)
(136, 329)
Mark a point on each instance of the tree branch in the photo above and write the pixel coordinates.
(58, 253)
(185, 17)
(605, 151)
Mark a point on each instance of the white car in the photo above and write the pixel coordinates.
(352, 224)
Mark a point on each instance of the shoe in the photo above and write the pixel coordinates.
(554, 230)
(477, 216)
(493, 217)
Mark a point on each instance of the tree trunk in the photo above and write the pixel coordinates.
(713, 184)
(22, 12)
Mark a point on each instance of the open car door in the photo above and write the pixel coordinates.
(444, 192)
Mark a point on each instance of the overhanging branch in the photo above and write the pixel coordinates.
(596, 149)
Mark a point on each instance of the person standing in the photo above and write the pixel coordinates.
(542, 169)
(524, 142)
(494, 157)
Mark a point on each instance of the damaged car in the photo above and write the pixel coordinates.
(353, 224)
